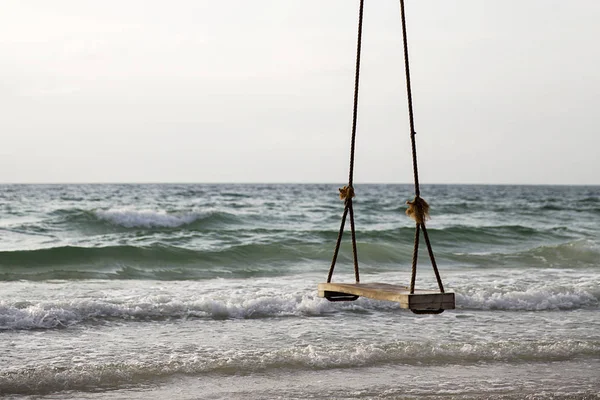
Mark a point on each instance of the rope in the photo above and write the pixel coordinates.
(356, 82)
(354, 252)
(410, 104)
(347, 192)
(337, 245)
(431, 256)
(413, 275)
(418, 209)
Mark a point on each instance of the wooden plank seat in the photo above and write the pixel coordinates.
(420, 302)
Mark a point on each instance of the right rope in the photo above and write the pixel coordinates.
(418, 209)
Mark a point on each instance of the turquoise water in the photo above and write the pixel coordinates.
(209, 291)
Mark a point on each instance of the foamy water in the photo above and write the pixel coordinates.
(208, 291)
(132, 218)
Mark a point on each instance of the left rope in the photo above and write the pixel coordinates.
(347, 192)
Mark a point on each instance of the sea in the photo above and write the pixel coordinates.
(209, 291)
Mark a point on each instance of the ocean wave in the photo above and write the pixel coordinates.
(528, 299)
(501, 234)
(270, 256)
(21, 260)
(270, 253)
(454, 236)
(146, 218)
(583, 253)
(202, 360)
(228, 304)
(572, 253)
(131, 218)
(55, 314)
(159, 261)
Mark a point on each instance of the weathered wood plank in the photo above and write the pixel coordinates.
(420, 300)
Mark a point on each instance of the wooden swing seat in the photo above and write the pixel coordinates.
(420, 300)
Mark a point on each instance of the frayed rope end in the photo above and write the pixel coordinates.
(347, 192)
(418, 209)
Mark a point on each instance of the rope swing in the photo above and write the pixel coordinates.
(418, 210)
(347, 192)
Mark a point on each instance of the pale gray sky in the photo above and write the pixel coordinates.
(261, 91)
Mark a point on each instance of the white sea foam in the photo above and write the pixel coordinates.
(531, 299)
(51, 314)
(131, 218)
(199, 360)
(64, 313)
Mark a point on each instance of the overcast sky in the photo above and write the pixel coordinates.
(261, 91)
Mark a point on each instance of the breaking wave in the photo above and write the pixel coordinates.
(55, 314)
(147, 218)
(203, 360)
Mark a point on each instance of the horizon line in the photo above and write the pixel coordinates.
(292, 183)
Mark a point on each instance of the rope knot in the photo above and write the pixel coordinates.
(418, 209)
(346, 193)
